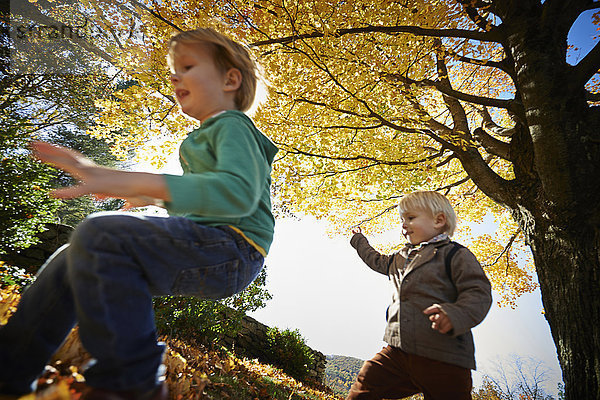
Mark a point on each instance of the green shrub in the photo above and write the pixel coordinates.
(207, 320)
(287, 350)
(193, 318)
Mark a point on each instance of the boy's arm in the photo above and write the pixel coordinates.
(233, 189)
(376, 261)
(474, 293)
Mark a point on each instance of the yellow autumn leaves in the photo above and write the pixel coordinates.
(352, 103)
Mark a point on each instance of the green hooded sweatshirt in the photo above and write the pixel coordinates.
(226, 178)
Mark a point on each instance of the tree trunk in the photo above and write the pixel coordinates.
(557, 204)
(568, 268)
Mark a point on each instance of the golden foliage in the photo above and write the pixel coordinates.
(354, 104)
(9, 298)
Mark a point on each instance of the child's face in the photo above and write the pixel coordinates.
(419, 225)
(200, 87)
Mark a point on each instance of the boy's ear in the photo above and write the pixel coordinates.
(440, 220)
(233, 80)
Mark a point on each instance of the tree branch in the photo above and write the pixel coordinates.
(358, 158)
(329, 174)
(484, 101)
(501, 65)
(490, 125)
(587, 67)
(445, 188)
(501, 190)
(492, 36)
(474, 15)
(459, 117)
(356, 114)
(156, 15)
(589, 96)
(487, 180)
(506, 248)
(491, 144)
(390, 208)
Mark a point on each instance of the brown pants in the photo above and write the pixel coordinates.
(394, 374)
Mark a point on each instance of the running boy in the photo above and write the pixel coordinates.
(430, 347)
(212, 246)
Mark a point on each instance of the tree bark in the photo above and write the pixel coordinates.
(558, 206)
(568, 268)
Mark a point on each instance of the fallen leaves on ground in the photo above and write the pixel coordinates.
(9, 297)
(194, 372)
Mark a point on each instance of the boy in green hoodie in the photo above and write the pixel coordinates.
(212, 245)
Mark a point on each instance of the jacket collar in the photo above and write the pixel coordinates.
(423, 252)
(439, 238)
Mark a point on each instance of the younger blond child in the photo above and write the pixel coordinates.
(439, 293)
(212, 245)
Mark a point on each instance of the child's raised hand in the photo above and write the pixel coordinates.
(356, 230)
(439, 319)
(70, 161)
(138, 188)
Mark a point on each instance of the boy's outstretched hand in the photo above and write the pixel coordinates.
(75, 164)
(356, 230)
(439, 319)
(136, 187)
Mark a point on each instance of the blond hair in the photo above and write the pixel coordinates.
(226, 54)
(432, 202)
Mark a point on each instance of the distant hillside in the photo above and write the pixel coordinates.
(340, 372)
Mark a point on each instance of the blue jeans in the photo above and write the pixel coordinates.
(104, 280)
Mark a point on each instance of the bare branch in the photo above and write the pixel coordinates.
(329, 174)
(367, 116)
(587, 67)
(390, 208)
(357, 158)
(484, 101)
(350, 127)
(390, 30)
(446, 188)
(490, 125)
(492, 145)
(387, 210)
(501, 65)
(506, 248)
(156, 15)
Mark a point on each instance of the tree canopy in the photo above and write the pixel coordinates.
(355, 136)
